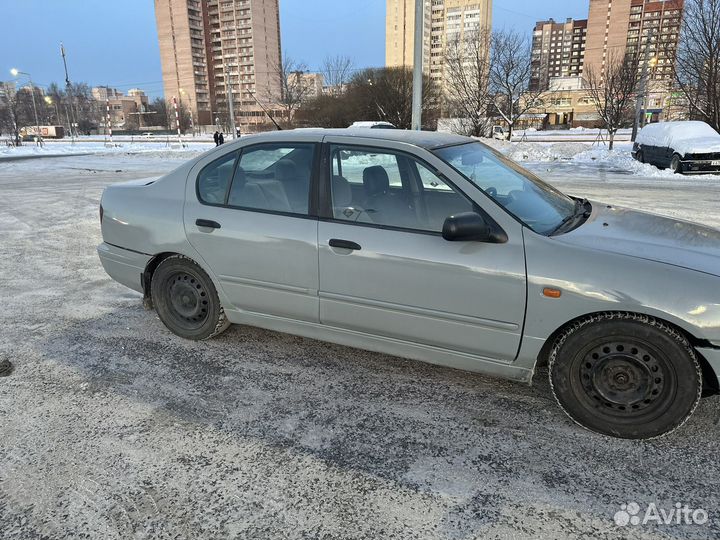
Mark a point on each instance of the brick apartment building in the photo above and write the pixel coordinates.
(126, 111)
(558, 51)
(444, 20)
(563, 53)
(208, 47)
(619, 27)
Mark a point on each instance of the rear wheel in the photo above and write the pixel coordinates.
(625, 375)
(186, 300)
(675, 164)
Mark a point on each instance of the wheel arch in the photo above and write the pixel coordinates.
(147, 275)
(710, 380)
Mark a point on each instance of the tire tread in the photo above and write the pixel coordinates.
(223, 322)
(630, 317)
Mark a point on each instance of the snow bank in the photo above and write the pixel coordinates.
(538, 152)
(584, 154)
(51, 149)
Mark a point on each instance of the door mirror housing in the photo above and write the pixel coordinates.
(467, 227)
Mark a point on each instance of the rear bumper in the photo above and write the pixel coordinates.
(123, 265)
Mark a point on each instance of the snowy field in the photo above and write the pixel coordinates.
(114, 428)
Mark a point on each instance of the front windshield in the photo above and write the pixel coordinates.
(537, 204)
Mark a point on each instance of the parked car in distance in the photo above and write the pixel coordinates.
(433, 247)
(688, 147)
(147, 135)
(499, 133)
(373, 125)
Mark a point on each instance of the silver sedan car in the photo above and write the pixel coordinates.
(432, 247)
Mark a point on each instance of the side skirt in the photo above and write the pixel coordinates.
(395, 347)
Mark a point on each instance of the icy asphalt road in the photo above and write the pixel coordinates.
(111, 427)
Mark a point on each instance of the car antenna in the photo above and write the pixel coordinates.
(266, 111)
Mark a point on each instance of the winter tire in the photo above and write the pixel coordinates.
(186, 300)
(625, 375)
(675, 165)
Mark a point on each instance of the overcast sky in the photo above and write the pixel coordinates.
(115, 42)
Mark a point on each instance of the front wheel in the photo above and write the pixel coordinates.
(640, 156)
(675, 164)
(625, 375)
(186, 300)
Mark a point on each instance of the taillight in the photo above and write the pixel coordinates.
(101, 214)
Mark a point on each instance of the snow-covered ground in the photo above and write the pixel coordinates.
(66, 147)
(114, 428)
(578, 133)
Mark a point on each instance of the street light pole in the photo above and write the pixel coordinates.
(231, 108)
(15, 73)
(418, 65)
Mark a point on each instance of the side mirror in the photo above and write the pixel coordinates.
(467, 227)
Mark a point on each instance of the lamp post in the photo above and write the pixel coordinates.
(49, 101)
(646, 99)
(15, 72)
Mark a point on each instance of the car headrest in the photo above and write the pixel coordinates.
(285, 169)
(375, 180)
(341, 191)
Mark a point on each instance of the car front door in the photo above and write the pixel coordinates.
(248, 214)
(385, 268)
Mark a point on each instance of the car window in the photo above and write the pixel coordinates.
(213, 180)
(537, 204)
(392, 190)
(352, 163)
(274, 177)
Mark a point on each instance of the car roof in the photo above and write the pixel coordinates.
(423, 139)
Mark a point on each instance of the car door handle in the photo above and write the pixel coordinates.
(209, 223)
(344, 244)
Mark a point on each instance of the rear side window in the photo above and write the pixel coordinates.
(274, 178)
(214, 180)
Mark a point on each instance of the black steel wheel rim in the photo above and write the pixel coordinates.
(624, 378)
(188, 300)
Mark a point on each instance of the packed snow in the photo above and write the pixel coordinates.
(112, 427)
(618, 160)
(67, 147)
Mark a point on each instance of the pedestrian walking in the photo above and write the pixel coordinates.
(216, 138)
(221, 139)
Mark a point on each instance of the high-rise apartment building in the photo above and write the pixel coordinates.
(400, 34)
(619, 27)
(558, 51)
(444, 20)
(209, 46)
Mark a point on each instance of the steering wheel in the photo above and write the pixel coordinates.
(492, 192)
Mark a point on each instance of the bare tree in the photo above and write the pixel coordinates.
(697, 65)
(613, 91)
(337, 71)
(10, 110)
(386, 94)
(510, 73)
(294, 89)
(467, 80)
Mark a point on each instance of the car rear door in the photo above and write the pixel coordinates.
(385, 269)
(249, 215)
